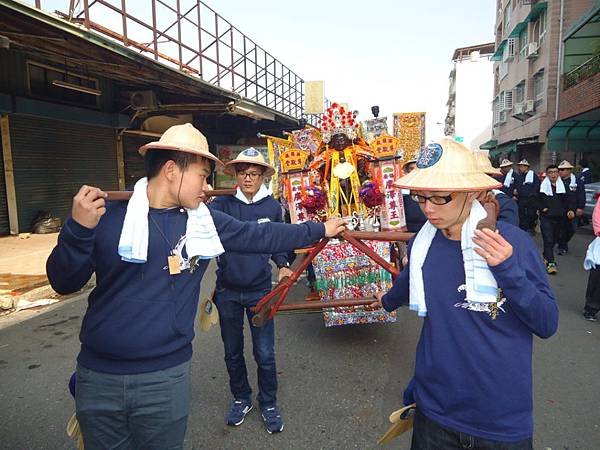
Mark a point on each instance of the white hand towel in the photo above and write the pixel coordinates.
(592, 256)
(529, 177)
(546, 187)
(573, 183)
(201, 238)
(480, 284)
(133, 243)
(481, 287)
(508, 179)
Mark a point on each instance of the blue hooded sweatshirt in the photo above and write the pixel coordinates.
(474, 373)
(242, 270)
(140, 318)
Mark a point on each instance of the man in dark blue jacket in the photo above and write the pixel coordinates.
(482, 295)
(586, 174)
(242, 280)
(575, 191)
(149, 256)
(527, 185)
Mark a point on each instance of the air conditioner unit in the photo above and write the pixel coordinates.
(530, 107)
(518, 109)
(532, 50)
(143, 99)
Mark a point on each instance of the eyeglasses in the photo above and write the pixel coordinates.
(251, 175)
(552, 171)
(435, 199)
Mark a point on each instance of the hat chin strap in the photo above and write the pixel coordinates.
(447, 229)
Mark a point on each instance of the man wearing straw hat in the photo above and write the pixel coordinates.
(483, 294)
(507, 177)
(527, 185)
(242, 280)
(508, 211)
(149, 256)
(575, 192)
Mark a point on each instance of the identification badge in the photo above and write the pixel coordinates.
(173, 262)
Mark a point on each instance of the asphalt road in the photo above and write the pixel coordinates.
(337, 385)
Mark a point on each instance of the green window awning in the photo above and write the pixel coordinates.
(504, 149)
(536, 11)
(489, 145)
(517, 29)
(574, 136)
(497, 56)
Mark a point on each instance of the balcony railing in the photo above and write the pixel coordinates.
(192, 37)
(585, 71)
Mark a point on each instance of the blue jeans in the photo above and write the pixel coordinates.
(231, 305)
(430, 435)
(146, 411)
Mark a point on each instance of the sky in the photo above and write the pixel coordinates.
(392, 53)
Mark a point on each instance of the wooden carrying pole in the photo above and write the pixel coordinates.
(116, 196)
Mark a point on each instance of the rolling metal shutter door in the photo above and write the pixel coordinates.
(4, 224)
(134, 162)
(52, 159)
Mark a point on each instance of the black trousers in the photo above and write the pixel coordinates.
(551, 229)
(527, 213)
(592, 293)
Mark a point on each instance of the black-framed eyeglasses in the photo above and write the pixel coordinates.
(251, 175)
(435, 199)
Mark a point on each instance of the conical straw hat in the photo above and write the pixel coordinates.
(182, 138)
(447, 166)
(506, 162)
(484, 163)
(249, 156)
(565, 165)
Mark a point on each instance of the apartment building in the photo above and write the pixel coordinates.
(527, 75)
(577, 130)
(469, 118)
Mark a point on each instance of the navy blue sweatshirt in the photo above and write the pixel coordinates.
(242, 270)
(140, 318)
(473, 374)
(525, 190)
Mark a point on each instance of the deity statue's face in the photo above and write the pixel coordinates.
(340, 141)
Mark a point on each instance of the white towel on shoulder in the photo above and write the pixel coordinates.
(508, 179)
(529, 177)
(481, 287)
(546, 187)
(573, 183)
(201, 238)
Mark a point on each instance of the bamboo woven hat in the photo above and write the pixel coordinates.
(249, 156)
(447, 166)
(182, 138)
(506, 162)
(523, 162)
(565, 165)
(484, 163)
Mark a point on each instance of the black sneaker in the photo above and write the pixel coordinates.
(589, 316)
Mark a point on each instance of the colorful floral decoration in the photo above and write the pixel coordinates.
(314, 201)
(370, 195)
(343, 272)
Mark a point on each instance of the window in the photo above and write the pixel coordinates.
(503, 69)
(520, 92)
(509, 49)
(508, 100)
(538, 85)
(542, 22)
(507, 11)
(523, 41)
(41, 85)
